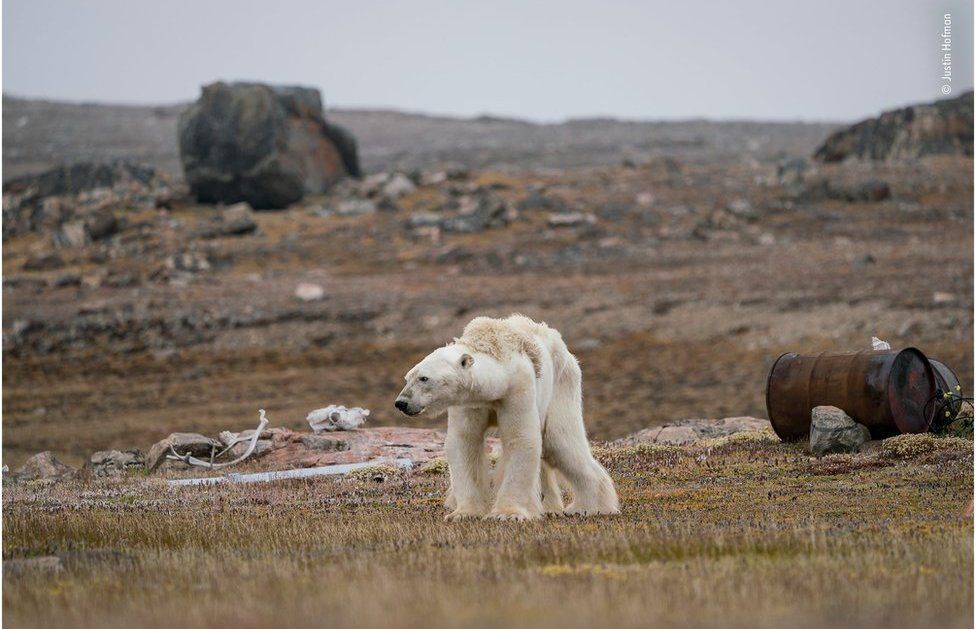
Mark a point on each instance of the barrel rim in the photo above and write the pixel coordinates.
(928, 415)
(769, 380)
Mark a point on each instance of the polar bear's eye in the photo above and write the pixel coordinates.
(423, 378)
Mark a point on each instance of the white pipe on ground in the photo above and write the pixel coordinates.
(308, 472)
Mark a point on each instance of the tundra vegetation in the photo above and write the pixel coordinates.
(742, 531)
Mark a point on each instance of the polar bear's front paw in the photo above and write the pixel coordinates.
(512, 514)
(463, 514)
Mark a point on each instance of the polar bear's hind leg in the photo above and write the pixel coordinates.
(552, 494)
(566, 448)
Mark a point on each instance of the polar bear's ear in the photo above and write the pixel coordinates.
(467, 360)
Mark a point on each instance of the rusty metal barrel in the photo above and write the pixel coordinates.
(889, 391)
(946, 381)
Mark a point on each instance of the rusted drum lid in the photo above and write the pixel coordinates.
(947, 381)
(911, 390)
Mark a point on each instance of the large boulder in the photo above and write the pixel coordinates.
(945, 126)
(268, 146)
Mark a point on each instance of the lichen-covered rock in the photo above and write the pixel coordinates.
(237, 220)
(832, 430)
(44, 466)
(269, 146)
(945, 126)
(682, 431)
(184, 443)
(115, 462)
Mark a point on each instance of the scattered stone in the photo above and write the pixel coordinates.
(539, 200)
(237, 220)
(644, 199)
(72, 179)
(44, 466)
(386, 204)
(832, 431)
(398, 186)
(571, 219)
(355, 207)
(101, 223)
(941, 298)
(67, 279)
(87, 192)
(791, 171)
(742, 208)
(371, 185)
(865, 259)
(942, 127)
(451, 254)
(72, 234)
(423, 219)
(184, 443)
(434, 178)
(189, 262)
(115, 462)
(47, 261)
(307, 291)
(479, 212)
(269, 146)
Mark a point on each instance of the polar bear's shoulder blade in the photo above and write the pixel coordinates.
(500, 338)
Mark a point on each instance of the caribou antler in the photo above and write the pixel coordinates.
(210, 465)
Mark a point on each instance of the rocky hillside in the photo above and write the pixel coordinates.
(939, 128)
(40, 134)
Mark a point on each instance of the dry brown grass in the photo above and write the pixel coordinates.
(738, 533)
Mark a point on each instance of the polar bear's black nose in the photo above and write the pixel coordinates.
(401, 405)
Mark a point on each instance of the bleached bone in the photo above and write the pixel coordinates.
(337, 417)
(879, 345)
(210, 465)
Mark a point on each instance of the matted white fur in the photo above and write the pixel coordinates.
(519, 376)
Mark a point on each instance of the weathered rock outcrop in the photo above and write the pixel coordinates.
(266, 145)
(44, 466)
(682, 431)
(945, 126)
(76, 202)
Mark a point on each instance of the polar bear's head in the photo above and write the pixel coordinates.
(441, 380)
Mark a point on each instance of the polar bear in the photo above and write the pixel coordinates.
(519, 376)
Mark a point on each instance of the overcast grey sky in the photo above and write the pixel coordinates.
(822, 60)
